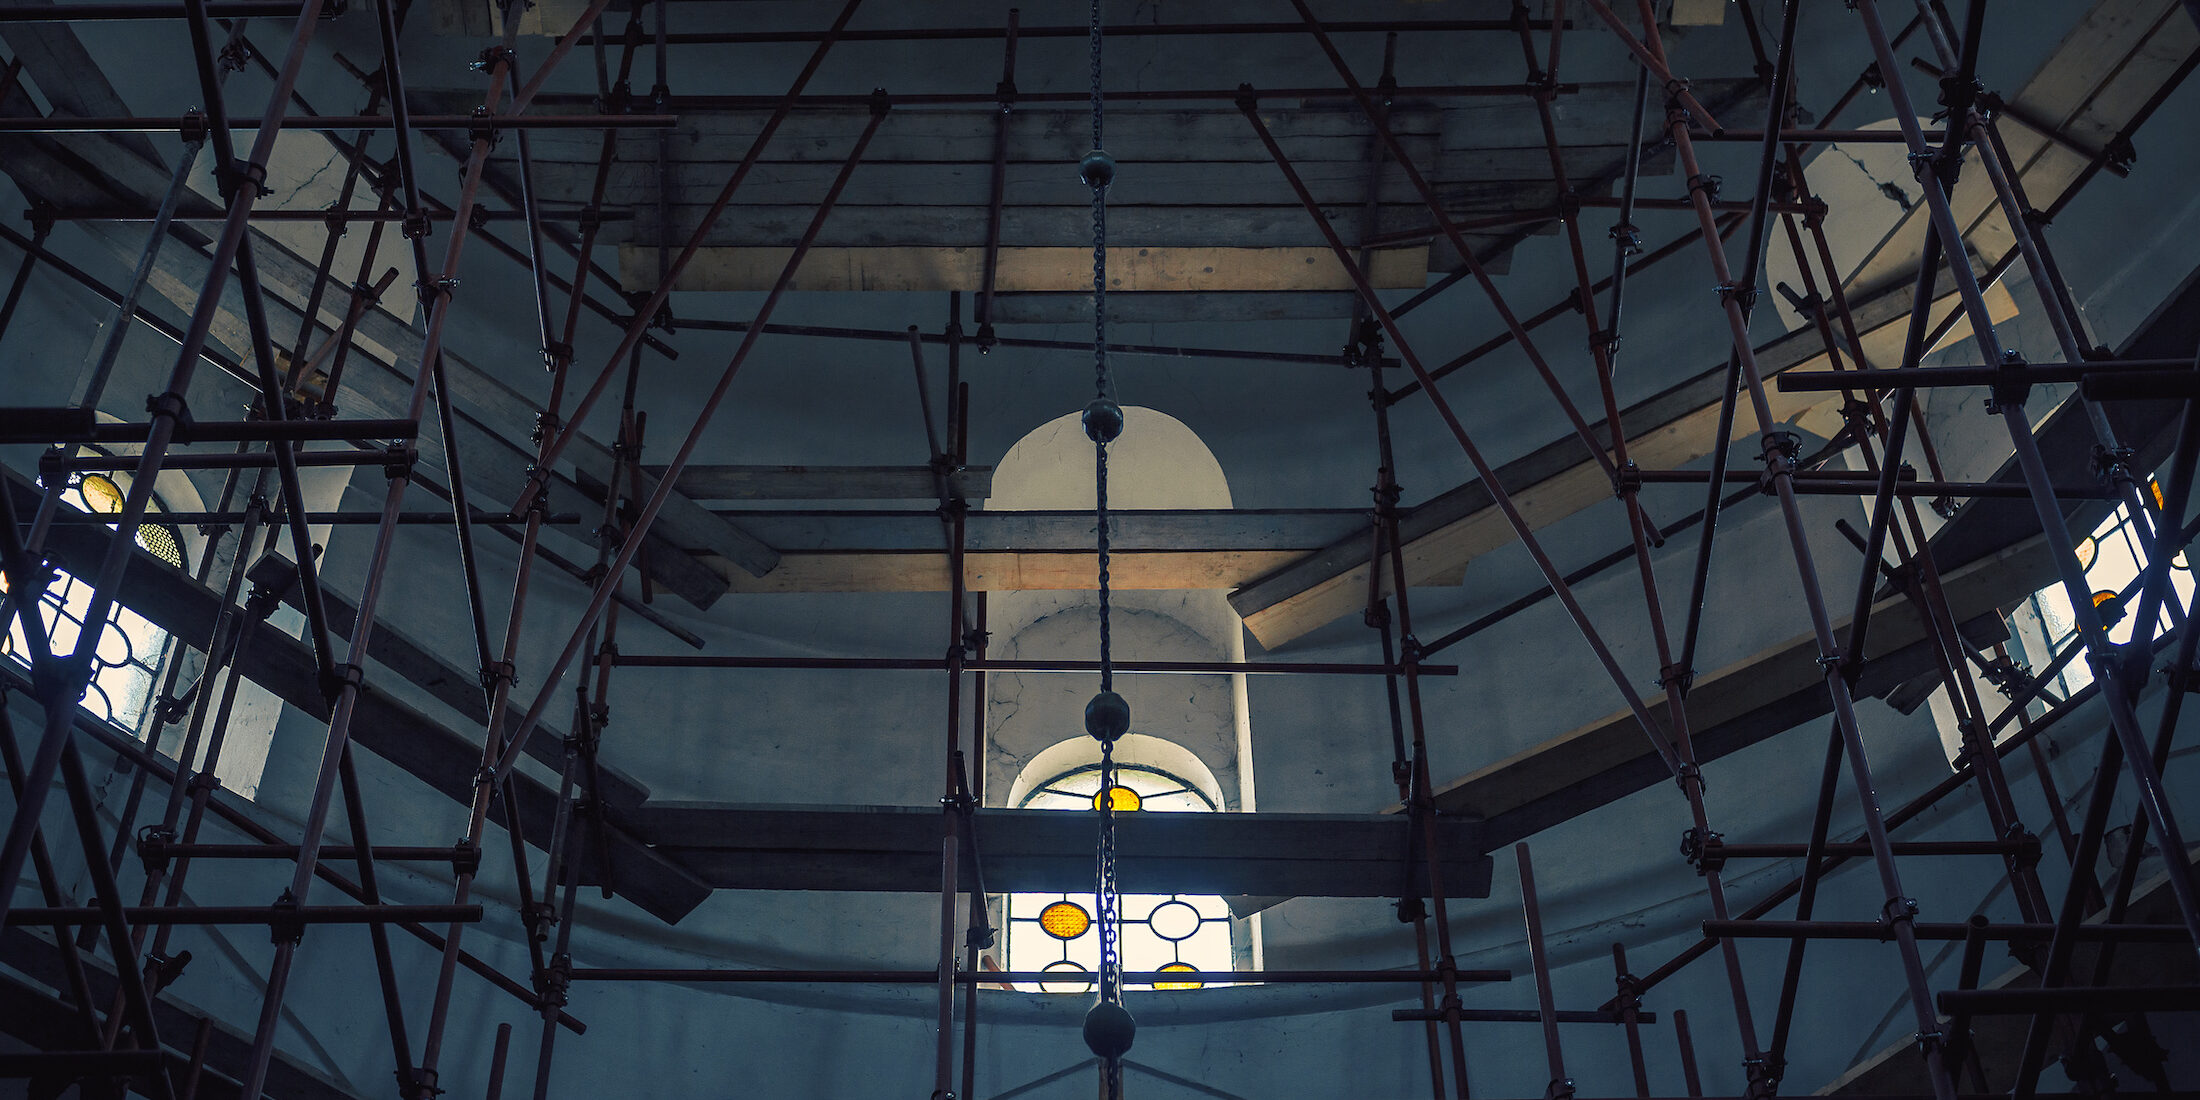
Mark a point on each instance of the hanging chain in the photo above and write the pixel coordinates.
(1100, 384)
(1103, 420)
(1108, 901)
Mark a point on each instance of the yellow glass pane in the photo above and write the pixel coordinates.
(1065, 920)
(1179, 968)
(101, 493)
(2102, 597)
(1125, 798)
(2156, 485)
(2087, 551)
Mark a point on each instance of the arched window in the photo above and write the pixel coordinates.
(131, 650)
(1178, 933)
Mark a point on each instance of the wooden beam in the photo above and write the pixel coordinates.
(897, 850)
(926, 571)
(827, 482)
(1667, 431)
(962, 223)
(1311, 131)
(1990, 556)
(1759, 696)
(842, 530)
(1131, 268)
(173, 601)
(2119, 54)
(1177, 308)
(445, 759)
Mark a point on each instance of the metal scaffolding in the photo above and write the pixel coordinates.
(577, 824)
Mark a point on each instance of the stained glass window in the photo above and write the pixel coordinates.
(2110, 558)
(1187, 934)
(131, 649)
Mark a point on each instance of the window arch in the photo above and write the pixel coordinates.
(1191, 934)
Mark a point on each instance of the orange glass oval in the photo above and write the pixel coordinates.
(1065, 920)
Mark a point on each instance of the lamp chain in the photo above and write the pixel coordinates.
(1107, 1027)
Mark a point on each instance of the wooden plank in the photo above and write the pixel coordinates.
(1784, 679)
(1990, 556)
(1167, 308)
(797, 530)
(896, 849)
(1309, 130)
(55, 60)
(1065, 226)
(1131, 268)
(1069, 571)
(2094, 82)
(1223, 184)
(1037, 134)
(827, 482)
(1664, 432)
(931, 181)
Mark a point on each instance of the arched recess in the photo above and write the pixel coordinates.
(1157, 464)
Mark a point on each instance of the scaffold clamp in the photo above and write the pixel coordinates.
(465, 858)
(340, 677)
(152, 846)
(1898, 910)
(2011, 387)
(2027, 855)
(417, 1083)
(2112, 463)
(1688, 773)
(481, 131)
(284, 923)
(554, 980)
(1704, 849)
(1627, 479)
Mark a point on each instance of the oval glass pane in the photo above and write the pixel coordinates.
(1071, 978)
(101, 493)
(1174, 921)
(1182, 983)
(1065, 920)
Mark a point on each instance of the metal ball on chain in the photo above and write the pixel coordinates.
(1108, 716)
(1103, 420)
(1109, 1029)
(1097, 169)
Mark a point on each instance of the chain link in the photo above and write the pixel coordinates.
(1107, 901)
(1100, 384)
